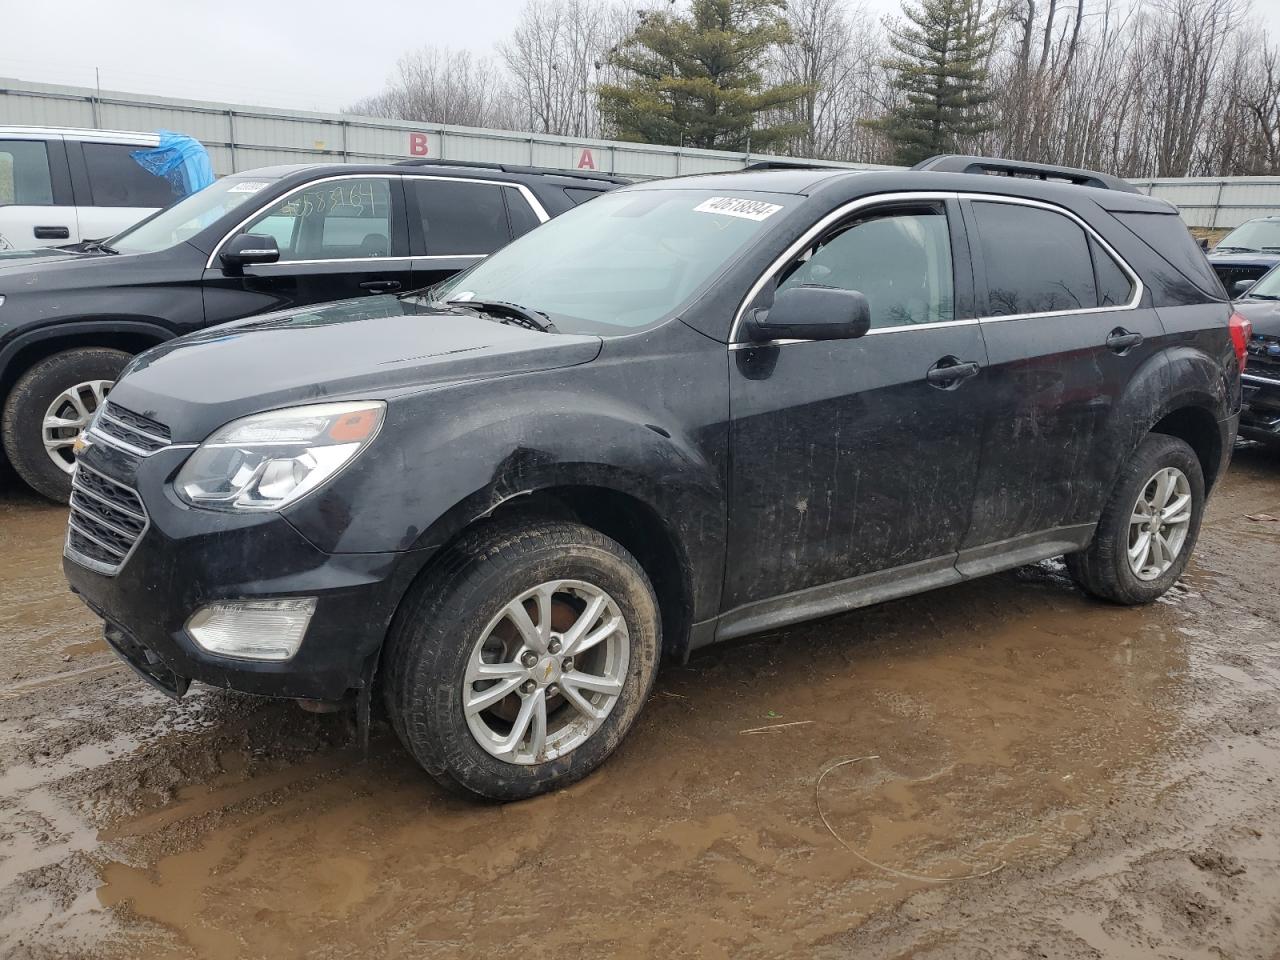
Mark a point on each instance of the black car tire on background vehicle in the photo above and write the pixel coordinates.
(463, 619)
(32, 399)
(1163, 470)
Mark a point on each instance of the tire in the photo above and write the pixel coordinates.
(22, 422)
(1104, 569)
(465, 599)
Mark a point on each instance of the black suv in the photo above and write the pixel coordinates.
(684, 412)
(1260, 305)
(269, 239)
(1246, 253)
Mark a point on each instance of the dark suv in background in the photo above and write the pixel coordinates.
(687, 411)
(268, 239)
(1246, 253)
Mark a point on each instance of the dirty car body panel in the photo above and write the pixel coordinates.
(780, 480)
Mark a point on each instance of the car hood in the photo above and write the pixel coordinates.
(1261, 259)
(370, 348)
(1263, 314)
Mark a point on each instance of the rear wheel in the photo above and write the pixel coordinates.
(1148, 527)
(49, 407)
(518, 665)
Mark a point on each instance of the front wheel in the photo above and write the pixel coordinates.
(1148, 527)
(49, 407)
(518, 665)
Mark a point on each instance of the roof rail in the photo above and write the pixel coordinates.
(513, 168)
(789, 165)
(953, 163)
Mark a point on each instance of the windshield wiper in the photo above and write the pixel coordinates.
(1249, 295)
(509, 313)
(1221, 249)
(99, 246)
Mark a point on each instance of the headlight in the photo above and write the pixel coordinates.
(269, 460)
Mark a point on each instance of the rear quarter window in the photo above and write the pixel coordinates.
(1168, 236)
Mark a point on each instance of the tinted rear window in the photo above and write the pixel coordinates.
(1167, 235)
(1037, 261)
(118, 180)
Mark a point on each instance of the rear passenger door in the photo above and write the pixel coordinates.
(1065, 332)
(113, 190)
(340, 237)
(456, 222)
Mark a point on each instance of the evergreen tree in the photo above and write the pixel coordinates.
(942, 51)
(695, 79)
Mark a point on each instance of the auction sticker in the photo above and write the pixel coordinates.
(736, 207)
(248, 186)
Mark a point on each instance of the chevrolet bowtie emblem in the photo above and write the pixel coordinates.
(81, 445)
(547, 672)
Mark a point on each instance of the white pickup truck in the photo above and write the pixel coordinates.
(60, 185)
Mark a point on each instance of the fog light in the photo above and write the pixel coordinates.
(253, 629)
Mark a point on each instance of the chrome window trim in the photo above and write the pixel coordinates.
(98, 566)
(863, 203)
(538, 211)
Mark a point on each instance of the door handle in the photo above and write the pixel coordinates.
(380, 286)
(950, 372)
(52, 233)
(1121, 340)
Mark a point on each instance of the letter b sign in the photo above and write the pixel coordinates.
(418, 145)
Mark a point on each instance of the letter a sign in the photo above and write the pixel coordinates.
(586, 161)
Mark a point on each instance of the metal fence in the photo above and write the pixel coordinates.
(1217, 202)
(241, 138)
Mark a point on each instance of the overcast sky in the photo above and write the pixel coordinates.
(307, 54)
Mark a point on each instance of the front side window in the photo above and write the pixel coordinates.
(461, 219)
(118, 180)
(1037, 261)
(24, 173)
(899, 259)
(625, 261)
(337, 220)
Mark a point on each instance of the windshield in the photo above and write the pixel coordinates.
(187, 217)
(1268, 288)
(620, 262)
(1254, 236)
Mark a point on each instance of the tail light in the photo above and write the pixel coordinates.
(1241, 331)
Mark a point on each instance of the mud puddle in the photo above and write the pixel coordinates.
(1018, 727)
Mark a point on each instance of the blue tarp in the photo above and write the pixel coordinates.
(181, 160)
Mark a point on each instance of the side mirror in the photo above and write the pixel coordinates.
(1241, 287)
(1204, 244)
(809, 312)
(249, 248)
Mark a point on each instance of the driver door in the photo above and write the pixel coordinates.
(853, 465)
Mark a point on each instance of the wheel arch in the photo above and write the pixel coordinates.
(29, 348)
(617, 510)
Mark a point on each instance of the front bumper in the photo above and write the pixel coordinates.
(1260, 411)
(187, 558)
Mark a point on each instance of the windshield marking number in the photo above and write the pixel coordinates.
(735, 207)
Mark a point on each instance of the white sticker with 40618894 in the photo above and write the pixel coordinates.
(737, 207)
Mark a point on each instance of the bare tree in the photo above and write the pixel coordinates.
(555, 56)
(439, 85)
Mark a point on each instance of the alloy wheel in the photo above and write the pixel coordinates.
(546, 672)
(68, 416)
(1159, 523)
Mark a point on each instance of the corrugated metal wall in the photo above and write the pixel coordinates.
(241, 138)
(1218, 203)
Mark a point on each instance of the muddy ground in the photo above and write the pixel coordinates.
(1115, 768)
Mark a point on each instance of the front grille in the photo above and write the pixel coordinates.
(139, 432)
(1231, 275)
(107, 519)
(1264, 356)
